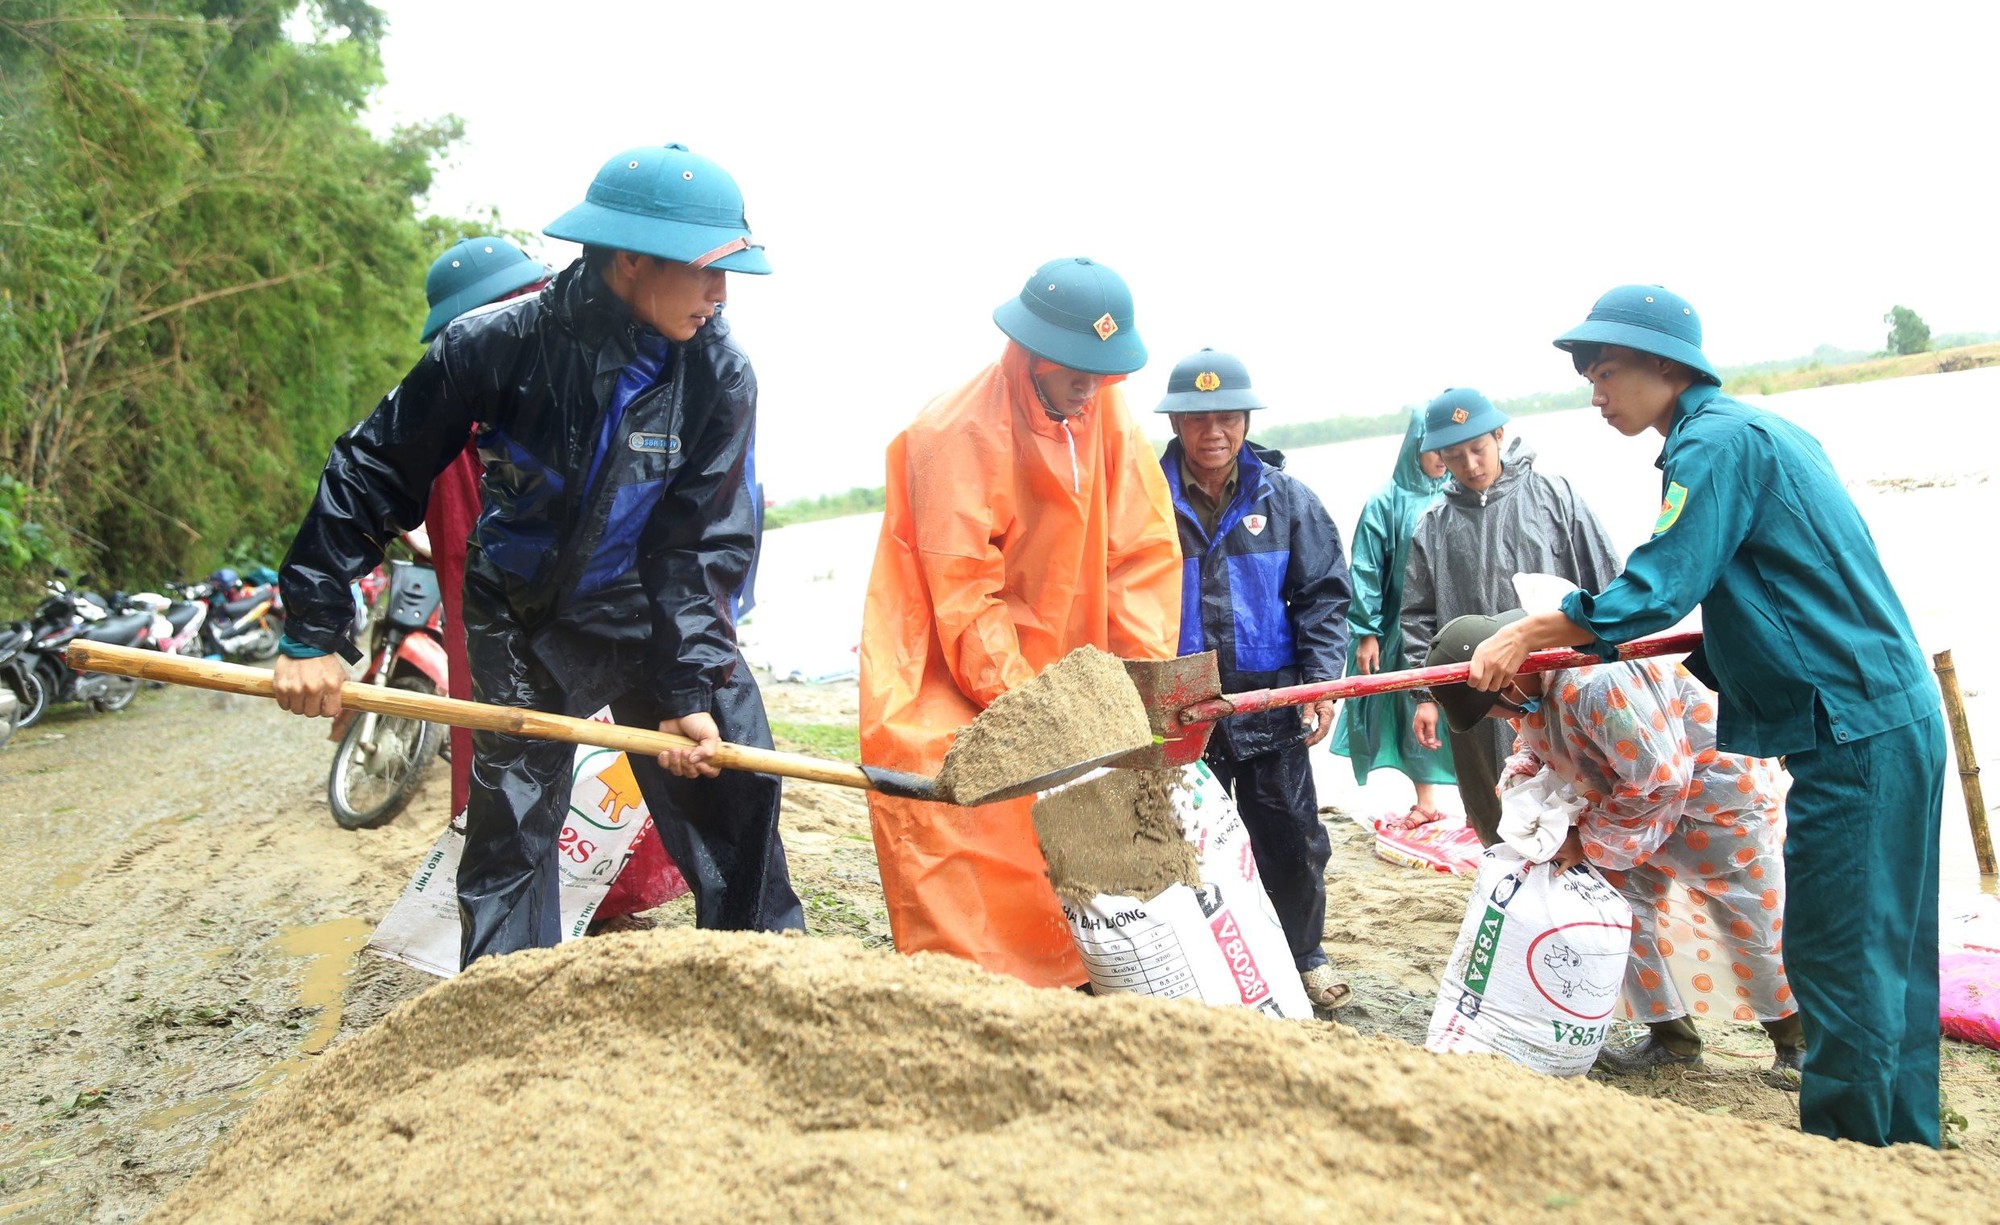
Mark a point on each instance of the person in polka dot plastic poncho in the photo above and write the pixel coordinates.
(1663, 807)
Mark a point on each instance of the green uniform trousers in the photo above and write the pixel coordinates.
(1477, 757)
(1860, 938)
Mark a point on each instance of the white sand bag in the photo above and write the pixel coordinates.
(1221, 944)
(606, 813)
(1538, 967)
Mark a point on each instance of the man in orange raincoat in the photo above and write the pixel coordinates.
(1026, 517)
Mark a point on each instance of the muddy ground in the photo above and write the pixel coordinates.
(180, 924)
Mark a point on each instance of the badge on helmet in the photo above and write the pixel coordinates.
(1075, 313)
(1209, 382)
(1459, 415)
(665, 202)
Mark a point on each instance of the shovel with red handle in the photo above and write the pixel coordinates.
(1184, 696)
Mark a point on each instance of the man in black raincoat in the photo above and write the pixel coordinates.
(613, 413)
(1265, 587)
(1499, 517)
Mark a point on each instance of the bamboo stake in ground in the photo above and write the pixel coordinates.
(1968, 763)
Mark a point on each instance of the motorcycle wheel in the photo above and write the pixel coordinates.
(33, 690)
(265, 645)
(367, 789)
(117, 695)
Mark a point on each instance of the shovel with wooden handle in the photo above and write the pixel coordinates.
(514, 721)
(1184, 696)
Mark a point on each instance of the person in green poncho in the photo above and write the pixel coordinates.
(1375, 732)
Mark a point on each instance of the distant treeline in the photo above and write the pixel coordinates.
(1759, 377)
(856, 501)
(1824, 365)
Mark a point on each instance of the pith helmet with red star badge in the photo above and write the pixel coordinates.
(1209, 382)
(1459, 415)
(1075, 313)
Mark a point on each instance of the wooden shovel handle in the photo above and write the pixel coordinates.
(86, 656)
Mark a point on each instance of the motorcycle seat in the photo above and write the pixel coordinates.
(236, 608)
(178, 615)
(120, 629)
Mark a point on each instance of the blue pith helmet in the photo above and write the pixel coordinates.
(1649, 319)
(474, 272)
(1209, 382)
(1075, 313)
(666, 202)
(1459, 415)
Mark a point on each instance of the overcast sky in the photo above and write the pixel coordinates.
(1365, 206)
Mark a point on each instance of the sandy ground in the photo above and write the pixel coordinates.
(180, 933)
(180, 924)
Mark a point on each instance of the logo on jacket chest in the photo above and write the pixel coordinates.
(654, 444)
(1255, 523)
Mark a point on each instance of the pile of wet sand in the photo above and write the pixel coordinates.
(705, 1075)
(1082, 708)
(1115, 833)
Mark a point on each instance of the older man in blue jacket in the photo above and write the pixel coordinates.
(1815, 661)
(1266, 588)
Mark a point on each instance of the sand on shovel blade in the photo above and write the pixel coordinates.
(1084, 708)
(1115, 833)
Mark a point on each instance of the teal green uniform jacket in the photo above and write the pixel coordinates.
(1814, 660)
(1757, 528)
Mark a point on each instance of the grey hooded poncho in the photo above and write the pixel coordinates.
(1463, 558)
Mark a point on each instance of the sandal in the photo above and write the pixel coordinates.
(1324, 990)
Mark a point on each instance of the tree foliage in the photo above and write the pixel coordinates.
(1908, 333)
(208, 269)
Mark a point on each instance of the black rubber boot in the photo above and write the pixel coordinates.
(1788, 1036)
(1671, 1044)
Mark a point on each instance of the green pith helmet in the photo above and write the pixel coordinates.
(1647, 318)
(666, 202)
(1464, 706)
(1078, 314)
(1459, 415)
(472, 273)
(1209, 382)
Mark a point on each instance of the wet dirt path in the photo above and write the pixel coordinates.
(178, 927)
(181, 923)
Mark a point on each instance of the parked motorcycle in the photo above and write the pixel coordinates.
(244, 621)
(17, 676)
(56, 621)
(178, 627)
(381, 758)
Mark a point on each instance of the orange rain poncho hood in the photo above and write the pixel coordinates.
(1009, 539)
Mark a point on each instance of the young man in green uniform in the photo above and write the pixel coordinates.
(1815, 662)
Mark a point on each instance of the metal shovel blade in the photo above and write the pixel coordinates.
(1041, 783)
(1167, 687)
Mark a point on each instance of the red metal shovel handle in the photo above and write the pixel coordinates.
(1417, 678)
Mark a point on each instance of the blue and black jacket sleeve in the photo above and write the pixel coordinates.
(376, 485)
(1317, 589)
(698, 545)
